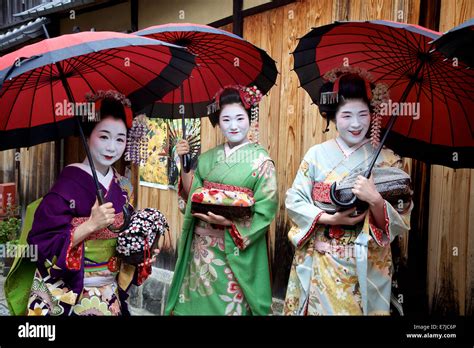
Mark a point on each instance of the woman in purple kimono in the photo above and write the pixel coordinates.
(77, 270)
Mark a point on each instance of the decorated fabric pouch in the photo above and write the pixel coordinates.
(136, 243)
(231, 202)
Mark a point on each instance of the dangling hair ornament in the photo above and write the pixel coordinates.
(136, 150)
(377, 96)
(250, 98)
(380, 97)
(137, 141)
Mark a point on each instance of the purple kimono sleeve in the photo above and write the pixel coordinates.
(52, 232)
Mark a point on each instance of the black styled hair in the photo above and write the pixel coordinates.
(351, 86)
(110, 107)
(228, 96)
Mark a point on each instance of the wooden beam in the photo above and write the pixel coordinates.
(134, 15)
(429, 14)
(414, 285)
(237, 18)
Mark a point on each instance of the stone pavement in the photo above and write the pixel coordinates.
(3, 302)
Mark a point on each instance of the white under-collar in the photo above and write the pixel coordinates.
(348, 150)
(104, 180)
(229, 151)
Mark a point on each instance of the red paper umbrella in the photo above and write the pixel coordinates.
(400, 56)
(36, 80)
(222, 59)
(32, 87)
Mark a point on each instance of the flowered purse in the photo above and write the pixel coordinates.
(231, 202)
(135, 245)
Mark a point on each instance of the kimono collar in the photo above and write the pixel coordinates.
(229, 151)
(348, 150)
(104, 180)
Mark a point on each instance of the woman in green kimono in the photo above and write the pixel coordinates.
(343, 263)
(222, 266)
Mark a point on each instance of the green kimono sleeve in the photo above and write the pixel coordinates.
(20, 278)
(184, 247)
(243, 233)
(246, 245)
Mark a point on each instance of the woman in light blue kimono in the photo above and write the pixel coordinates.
(343, 263)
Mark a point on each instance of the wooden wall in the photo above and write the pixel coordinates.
(451, 222)
(37, 170)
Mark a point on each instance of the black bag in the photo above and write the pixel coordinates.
(393, 184)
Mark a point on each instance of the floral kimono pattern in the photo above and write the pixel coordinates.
(339, 270)
(224, 271)
(85, 279)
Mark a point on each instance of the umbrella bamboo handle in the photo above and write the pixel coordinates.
(186, 159)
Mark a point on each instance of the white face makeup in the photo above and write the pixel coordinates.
(107, 143)
(234, 123)
(353, 121)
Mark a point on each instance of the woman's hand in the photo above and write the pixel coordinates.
(182, 147)
(101, 216)
(366, 191)
(213, 219)
(341, 218)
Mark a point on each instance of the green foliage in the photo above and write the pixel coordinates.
(9, 230)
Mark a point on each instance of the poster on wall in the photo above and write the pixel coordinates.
(163, 164)
(154, 173)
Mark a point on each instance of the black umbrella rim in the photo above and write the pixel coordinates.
(455, 43)
(431, 153)
(31, 136)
